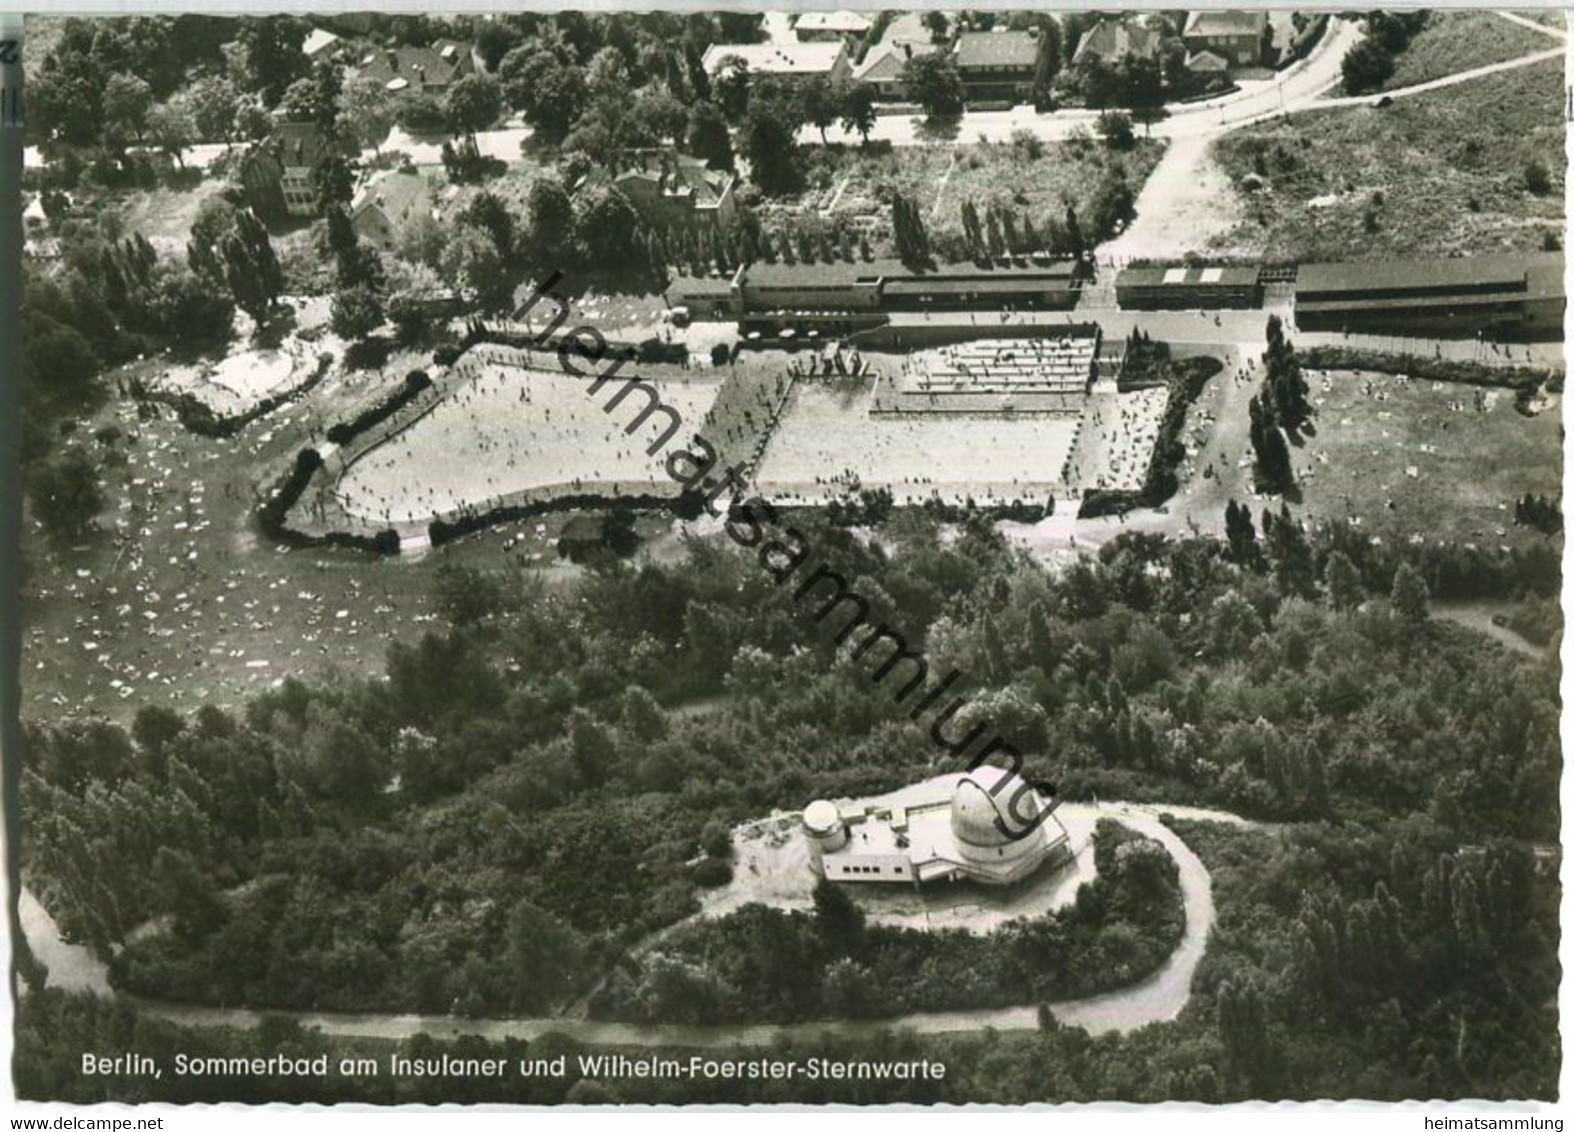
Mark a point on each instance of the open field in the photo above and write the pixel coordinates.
(941, 177)
(1458, 41)
(1438, 174)
(509, 429)
(1440, 459)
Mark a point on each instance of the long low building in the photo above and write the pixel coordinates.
(987, 826)
(843, 296)
(1188, 287)
(1496, 296)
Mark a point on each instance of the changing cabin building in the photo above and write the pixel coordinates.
(1510, 297)
(1188, 287)
(842, 297)
(987, 826)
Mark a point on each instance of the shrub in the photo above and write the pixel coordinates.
(711, 873)
(1537, 179)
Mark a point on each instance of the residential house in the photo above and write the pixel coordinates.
(1111, 41)
(827, 27)
(411, 69)
(386, 203)
(319, 44)
(997, 64)
(882, 66)
(786, 60)
(1236, 37)
(667, 188)
(279, 173)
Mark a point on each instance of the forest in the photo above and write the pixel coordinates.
(542, 784)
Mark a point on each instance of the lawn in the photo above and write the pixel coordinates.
(1441, 173)
(1446, 459)
(1036, 180)
(1458, 41)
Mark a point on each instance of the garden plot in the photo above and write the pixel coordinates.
(241, 382)
(508, 433)
(827, 444)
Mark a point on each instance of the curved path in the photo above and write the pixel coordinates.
(1157, 998)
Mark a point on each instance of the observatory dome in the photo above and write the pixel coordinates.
(983, 798)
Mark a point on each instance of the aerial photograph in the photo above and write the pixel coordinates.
(857, 557)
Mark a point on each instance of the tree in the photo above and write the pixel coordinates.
(270, 54)
(1343, 582)
(770, 138)
(549, 215)
(841, 922)
(858, 109)
(366, 113)
(170, 128)
(1366, 66)
(912, 240)
(357, 312)
(471, 104)
(708, 137)
(127, 100)
(937, 24)
(819, 103)
(1114, 126)
(934, 82)
(1410, 594)
(64, 493)
(334, 181)
(609, 223)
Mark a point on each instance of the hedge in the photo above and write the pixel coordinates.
(415, 383)
(272, 514)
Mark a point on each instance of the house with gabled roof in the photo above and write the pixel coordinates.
(667, 188)
(1236, 37)
(279, 173)
(1112, 40)
(386, 203)
(413, 69)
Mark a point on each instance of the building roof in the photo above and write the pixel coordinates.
(1017, 49)
(1112, 40)
(397, 194)
(844, 22)
(409, 66)
(1225, 23)
(992, 807)
(843, 274)
(1502, 271)
(1186, 276)
(318, 40)
(1206, 60)
(885, 61)
(672, 174)
(686, 287)
(775, 58)
(298, 143)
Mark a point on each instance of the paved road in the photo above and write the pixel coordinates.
(1158, 998)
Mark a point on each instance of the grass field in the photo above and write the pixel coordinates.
(1428, 457)
(941, 178)
(1437, 174)
(1457, 41)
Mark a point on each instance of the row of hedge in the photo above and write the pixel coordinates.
(1523, 380)
(272, 515)
(415, 383)
(1188, 379)
(687, 505)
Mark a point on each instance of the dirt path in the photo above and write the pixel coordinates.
(1160, 997)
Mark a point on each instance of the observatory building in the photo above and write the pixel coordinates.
(947, 829)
